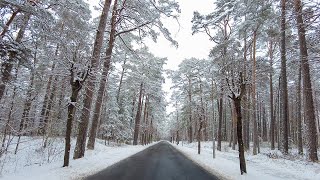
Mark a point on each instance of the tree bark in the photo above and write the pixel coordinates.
(220, 122)
(87, 101)
(309, 111)
(254, 103)
(103, 80)
(190, 111)
(138, 117)
(298, 116)
(234, 128)
(237, 104)
(76, 87)
(213, 122)
(272, 119)
(284, 87)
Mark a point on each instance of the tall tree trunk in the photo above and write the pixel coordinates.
(88, 98)
(264, 125)
(272, 119)
(284, 87)
(220, 121)
(213, 122)
(246, 119)
(201, 119)
(76, 87)
(234, 126)
(145, 118)
(307, 87)
(279, 124)
(254, 103)
(237, 104)
(138, 117)
(190, 111)
(199, 133)
(103, 80)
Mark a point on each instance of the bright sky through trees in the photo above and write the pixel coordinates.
(181, 31)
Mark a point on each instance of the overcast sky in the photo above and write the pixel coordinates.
(197, 45)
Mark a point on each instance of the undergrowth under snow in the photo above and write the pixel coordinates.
(268, 165)
(37, 163)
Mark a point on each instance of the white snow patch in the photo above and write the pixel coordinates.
(34, 162)
(261, 166)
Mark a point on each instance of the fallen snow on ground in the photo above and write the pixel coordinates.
(36, 163)
(262, 166)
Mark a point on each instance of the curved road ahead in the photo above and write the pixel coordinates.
(158, 162)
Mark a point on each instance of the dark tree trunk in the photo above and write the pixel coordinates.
(190, 112)
(264, 125)
(225, 134)
(199, 134)
(201, 119)
(132, 110)
(309, 111)
(103, 80)
(249, 118)
(298, 116)
(87, 101)
(237, 104)
(213, 122)
(138, 117)
(234, 128)
(272, 119)
(253, 94)
(284, 87)
(220, 123)
(76, 87)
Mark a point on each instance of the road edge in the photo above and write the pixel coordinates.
(83, 177)
(205, 167)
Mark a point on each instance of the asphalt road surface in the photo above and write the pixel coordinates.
(158, 162)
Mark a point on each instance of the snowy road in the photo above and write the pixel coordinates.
(158, 162)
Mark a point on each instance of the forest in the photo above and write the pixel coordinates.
(260, 84)
(69, 77)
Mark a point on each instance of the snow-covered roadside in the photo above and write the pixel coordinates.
(95, 160)
(260, 167)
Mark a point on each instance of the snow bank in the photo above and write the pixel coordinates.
(262, 166)
(33, 162)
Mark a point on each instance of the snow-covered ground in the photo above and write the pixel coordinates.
(268, 165)
(36, 163)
